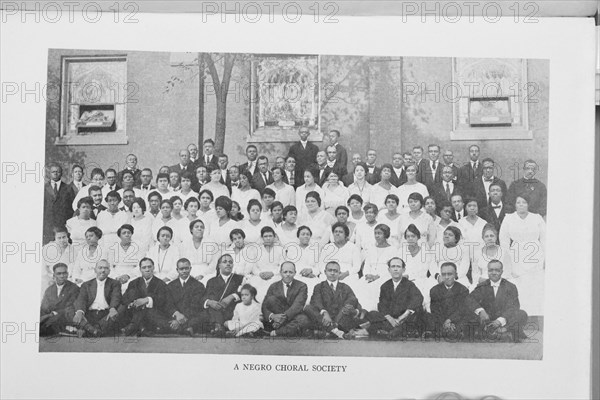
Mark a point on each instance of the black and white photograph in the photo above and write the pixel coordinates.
(234, 208)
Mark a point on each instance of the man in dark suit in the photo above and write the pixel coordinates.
(431, 171)
(472, 170)
(209, 157)
(444, 190)
(96, 306)
(193, 149)
(111, 181)
(373, 171)
(57, 308)
(290, 173)
(341, 153)
(77, 183)
(496, 302)
(284, 302)
(222, 294)
(145, 185)
(262, 177)
(448, 304)
(304, 152)
(320, 168)
(480, 188)
(250, 165)
(399, 311)
(534, 188)
(398, 172)
(184, 164)
(334, 164)
(58, 199)
(96, 195)
(495, 212)
(223, 161)
(449, 162)
(146, 303)
(130, 165)
(459, 206)
(333, 305)
(417, 158)
(349, 178)
(186, 298)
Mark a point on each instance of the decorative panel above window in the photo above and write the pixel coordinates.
(94, 100)
(285, 96)
(491, 99)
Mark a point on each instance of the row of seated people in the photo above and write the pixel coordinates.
(228, 306)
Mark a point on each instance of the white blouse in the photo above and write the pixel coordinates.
(405, 190)
(165, 261)
(286, 195)
(77, 227)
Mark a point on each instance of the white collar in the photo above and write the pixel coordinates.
(182, 281)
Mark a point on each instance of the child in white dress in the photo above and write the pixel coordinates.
(247, 315)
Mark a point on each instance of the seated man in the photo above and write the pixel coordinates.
(97, 303)
(496, 302)
(186, 298)
(284, 303)
(400, 307)
(222, 293)
(145, 303)
(333, 305)
(447, 303)
(57, 304)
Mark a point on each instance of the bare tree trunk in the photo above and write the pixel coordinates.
(221, 89)
(201, 66)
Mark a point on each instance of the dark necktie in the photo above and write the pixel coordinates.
(55, 188)
(448, 192)
(457, 216)
(332, 287)
(292, 181)
(496, 207)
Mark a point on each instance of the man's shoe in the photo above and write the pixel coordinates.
(189, 331)
(129, 330)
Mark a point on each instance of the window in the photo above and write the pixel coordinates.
(94, 100)
(490, 99)
(284, 97)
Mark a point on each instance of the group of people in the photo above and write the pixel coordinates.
(304, 245)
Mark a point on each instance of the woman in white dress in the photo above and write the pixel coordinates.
(430, 208)
(244, 254)
(79, 224)
(165, 219)
(124, 258)
(265, 270)
(191, 206)
(201, 253)
(523, 234)
(276, 218)
(165, 255)
(220, 229)
(360, 186)
(180, 222)
(453, 251)
(236, 213)
(318, 220)
(490, 251)
(186, 191)
(410, 186)
(254, 223)
(375, 270)
(111, 219)
(419, 218)
(206, 213)
(383, 188)
(446, 212)
(365, 231)
(283, 192)
(87, 257)
(418, 263)
(305, 255)
(355, 204)
(344, 253)
(244, 193)
(57, 251)
(142, 225)
(471, 227)
(301, 191)
(215, 185)
(286, 232)
(334, 194)
(389, 216)
(341, 215)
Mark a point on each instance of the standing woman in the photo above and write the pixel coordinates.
(180, 223)
(419, 218)
(523, 234)
(215, 185)
(57, 251)
(365, 231)
(253, 225)
(430, 208)
(111, 219)
(142, 225)
(200, 252)
(347, 254)
(220, 229)
(410, 186)
(79, 224)
(389, 216)
(244, 193)
(283, 192)
(124, 259)
(453, 251)
(87, 257)
(418, 263)
(360, 186)
(309, 186)
(305, 255)
(287, 231)
(165, 255)
(383, 188)
(165, 219)
(355, 203)
(490, 251)
(446, 213)
(206, 213)
(334, 194)
(375, 269)
(472, 226)
(318, 220)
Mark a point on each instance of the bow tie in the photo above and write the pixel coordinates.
(488, 179)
